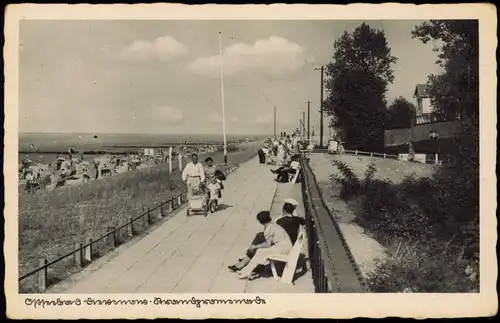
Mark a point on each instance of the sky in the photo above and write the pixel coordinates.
(163, 77)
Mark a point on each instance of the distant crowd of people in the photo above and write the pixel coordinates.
(283, 152)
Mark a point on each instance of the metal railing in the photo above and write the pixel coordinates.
(82, 253)
(332, 264)
(355, 152)
(429, 158)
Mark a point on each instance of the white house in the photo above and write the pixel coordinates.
(424, 106)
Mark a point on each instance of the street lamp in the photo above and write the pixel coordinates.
(222, 95)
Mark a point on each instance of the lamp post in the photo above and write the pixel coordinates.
(222, 95)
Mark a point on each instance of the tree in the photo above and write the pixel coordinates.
(357, 80)
(401, 114)
(454, 93)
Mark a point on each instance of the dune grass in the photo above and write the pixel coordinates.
(51, 222)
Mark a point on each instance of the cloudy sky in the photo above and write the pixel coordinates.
(164, 76)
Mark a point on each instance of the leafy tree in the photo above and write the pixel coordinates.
(357, 80)
(402, 114)
(456, 91)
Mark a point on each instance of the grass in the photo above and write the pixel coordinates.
(405, 207)
(50, 223)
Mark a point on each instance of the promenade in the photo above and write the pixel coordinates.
(191, 254)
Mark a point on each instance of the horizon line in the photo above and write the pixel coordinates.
(139, 133)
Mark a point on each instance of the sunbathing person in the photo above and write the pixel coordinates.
(284, 171)
(277, 241)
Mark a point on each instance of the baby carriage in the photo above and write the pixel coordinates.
(197, 201)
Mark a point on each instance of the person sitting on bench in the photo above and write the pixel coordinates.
(277, 241)
(284, 171)
(289, 221)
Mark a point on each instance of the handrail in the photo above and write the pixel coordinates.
(333, 266)
(366, 153)
(81, 248)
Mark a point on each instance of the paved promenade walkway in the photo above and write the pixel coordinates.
(191, 254)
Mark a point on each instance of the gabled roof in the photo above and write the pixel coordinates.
(421, 91)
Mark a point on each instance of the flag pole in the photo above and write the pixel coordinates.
(222, 94)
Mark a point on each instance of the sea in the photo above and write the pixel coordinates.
(45, 147)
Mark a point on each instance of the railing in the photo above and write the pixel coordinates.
(83, 252)
(356, 152)
(429, 158)
(333, 267)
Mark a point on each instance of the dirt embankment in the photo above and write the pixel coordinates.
(366, 250)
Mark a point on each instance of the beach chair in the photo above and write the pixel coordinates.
(292, 178)
(290, 260)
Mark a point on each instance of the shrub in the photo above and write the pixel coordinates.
(350, 185)
(425, 269)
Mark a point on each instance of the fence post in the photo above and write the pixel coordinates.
(42, 276)
(179, 199)
(88, 250)
(78, 254)
(371, 154)
(149, 217)
(436, 159)
(132, 230)
(384, 155)
(356, 152)
(160, 213)
(172, 204)
(170, 209)
(111, 236)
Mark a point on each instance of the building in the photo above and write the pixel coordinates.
(424, 105)
(428, 134)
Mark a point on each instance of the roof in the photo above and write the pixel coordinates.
(421, 91)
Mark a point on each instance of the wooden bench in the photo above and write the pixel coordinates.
(292, 178)
(290, 260)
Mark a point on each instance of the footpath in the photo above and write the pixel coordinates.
(191, 254)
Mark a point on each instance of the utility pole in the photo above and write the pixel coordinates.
(322, 69)
(303, 124)
(274, 121)
(308, 120)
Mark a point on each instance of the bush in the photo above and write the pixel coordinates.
(444, 250)
(433, 270)
(389, 213)
(350, 185)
